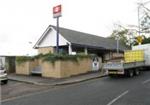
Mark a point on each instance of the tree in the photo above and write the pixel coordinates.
(146, 40)
(122, 35)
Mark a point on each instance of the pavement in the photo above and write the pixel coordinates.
(38, 80)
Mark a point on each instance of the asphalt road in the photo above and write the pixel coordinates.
(103, 91)
(16, 89)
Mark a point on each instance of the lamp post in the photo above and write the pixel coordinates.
(117, 38)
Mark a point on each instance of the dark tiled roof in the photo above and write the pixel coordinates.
(80, 38)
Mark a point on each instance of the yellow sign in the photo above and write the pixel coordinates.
(139, 39)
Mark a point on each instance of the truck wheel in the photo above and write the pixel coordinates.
(5, 82)
(130, 73)
(111, 76)
(136, 72)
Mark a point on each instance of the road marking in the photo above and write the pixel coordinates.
(117, 98)
(146, 81)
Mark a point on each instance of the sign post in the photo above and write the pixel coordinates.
(57, 14)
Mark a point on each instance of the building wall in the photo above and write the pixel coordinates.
(50, 39)
(45, 50)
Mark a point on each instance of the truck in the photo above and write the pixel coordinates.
(3, 73)
(134, 61)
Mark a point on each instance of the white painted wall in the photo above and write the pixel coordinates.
(50, 39)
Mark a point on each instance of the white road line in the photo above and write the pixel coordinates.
(117, 98)
(146, 81)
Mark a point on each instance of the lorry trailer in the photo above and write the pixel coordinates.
(134, 61)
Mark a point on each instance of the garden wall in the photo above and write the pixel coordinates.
(58, 69)
(26, 67)
(61, 69)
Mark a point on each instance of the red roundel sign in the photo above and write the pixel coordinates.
(57, 11)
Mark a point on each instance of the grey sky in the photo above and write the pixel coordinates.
(24, 21)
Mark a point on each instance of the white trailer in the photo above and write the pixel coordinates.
(121, 68)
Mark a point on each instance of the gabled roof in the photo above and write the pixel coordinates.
(42, 37)
(80, 38)
(85, 39)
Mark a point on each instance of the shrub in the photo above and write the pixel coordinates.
(53, 57)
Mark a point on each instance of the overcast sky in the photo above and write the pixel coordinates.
(24, 21)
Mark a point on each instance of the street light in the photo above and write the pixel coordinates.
(117, 38)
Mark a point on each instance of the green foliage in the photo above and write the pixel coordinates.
(122, 34)
(146, 40)
(22, 59)
(38, 56)
(53, 57)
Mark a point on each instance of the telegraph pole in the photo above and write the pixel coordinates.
(139, 21)
(139, 18)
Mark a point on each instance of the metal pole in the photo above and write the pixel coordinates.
(117, 44)
(57, 36)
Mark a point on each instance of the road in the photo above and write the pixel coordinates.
(102, 91)
(15, 89)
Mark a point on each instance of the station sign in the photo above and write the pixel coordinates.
(57, 11)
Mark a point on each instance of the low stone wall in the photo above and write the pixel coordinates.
(63, 69)
(51, 70)
(26, 67)
(59, 69)
(23, 68)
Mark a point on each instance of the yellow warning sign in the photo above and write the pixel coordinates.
(139, 39)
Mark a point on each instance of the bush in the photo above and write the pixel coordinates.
(53, 57)
(22, 59)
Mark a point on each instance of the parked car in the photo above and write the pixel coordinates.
(3, 73)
